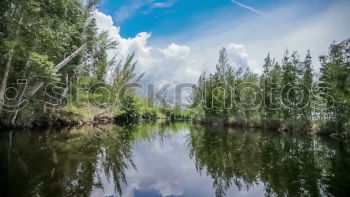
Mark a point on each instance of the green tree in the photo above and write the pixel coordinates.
(290, 81)
(307, 83)
(48, 38)
(335, 73)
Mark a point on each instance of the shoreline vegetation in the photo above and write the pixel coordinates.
(40, 48)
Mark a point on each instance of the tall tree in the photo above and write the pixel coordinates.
(289, 84)
(46, 32)
(335, 73)
(307, 83)
(12, 21)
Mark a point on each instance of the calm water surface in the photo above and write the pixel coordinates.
(171, 159)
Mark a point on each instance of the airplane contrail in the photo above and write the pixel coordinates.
(248, 7)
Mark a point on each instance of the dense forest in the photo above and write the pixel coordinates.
(289, 95)
(54, 62)
(53, 55)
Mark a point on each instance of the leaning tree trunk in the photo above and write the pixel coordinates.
(8, 65)
(37, 86)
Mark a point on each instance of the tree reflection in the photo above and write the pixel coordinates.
(73, 162)
(78, 162)
(67, 163)
(285, 165)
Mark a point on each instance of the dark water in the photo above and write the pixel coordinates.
(178, 159)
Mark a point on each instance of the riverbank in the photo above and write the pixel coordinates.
(313, 128)
(64, 119)
(73, 116)
(69, 116)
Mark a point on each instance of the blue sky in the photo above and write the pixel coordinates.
(176, 40)
(166, 17)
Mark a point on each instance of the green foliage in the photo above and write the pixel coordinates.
(41, 68)
(125, 75)
(286, 95)
(36, 36)
(176, 113)
(149, 113)
(96, 60)
(335, 72)
(215, 91)
(131, 107)
(270, 83)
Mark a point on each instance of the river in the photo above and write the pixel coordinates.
(171, 159)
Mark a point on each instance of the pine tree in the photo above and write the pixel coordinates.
(335, 73)
(265, 85)
(307, 83)
(289, 84)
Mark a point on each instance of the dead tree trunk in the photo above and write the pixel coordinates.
(8, 65)
(37, 86)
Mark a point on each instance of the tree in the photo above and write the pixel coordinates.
(223, 68)
(307, 83)
(9, 40)
(46, 32)
(290, 81)
(130, 104)
(270, 82)
(104, 44)
(96, 58)
(125, 75)
(335, 73)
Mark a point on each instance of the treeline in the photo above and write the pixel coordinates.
(288, 95)
(54, 42)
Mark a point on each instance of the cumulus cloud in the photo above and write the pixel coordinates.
(288, 27)
(247, 39)
(172, 64)
(175, 50)
(237, 55)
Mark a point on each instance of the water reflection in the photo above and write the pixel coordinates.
(66, 163)
(171, 159)
(285, 165)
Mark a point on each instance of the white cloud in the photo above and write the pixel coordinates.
(248, 41)
(172, 64)
(173, 176)
(237, 55)
(313, 33)
(175, 50)
(286, 27)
